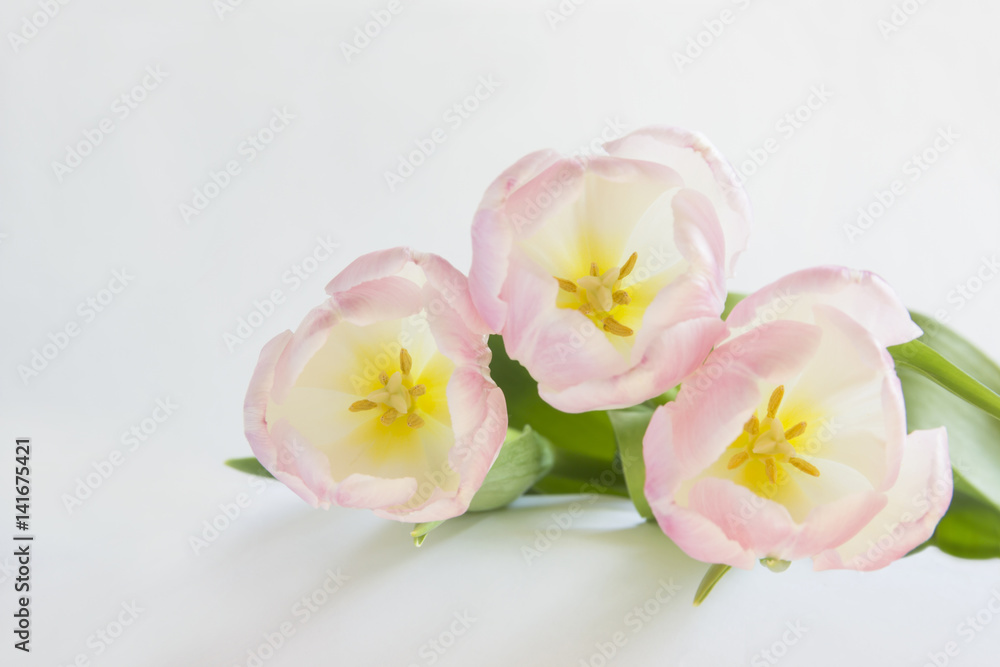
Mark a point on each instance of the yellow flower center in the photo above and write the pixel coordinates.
(397, 395)
(767, 441)
(600, 296)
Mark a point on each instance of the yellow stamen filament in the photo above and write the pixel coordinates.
(629, 265)
(752, 426)
(566, 285)
(418, 390)
(413, 420)
(405, 362)
(613, 326)
(771, 469)
(804, 466)
(360, 406)
(775, 402)
(622, 298)
(389, 416)
(795, 431)
(383, 377)
(738, 459)
(593, 269)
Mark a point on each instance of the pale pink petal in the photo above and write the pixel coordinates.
(374, 265)
(916, 503)
(703, 169)
(862, 295)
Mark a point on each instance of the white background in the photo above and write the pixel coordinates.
(560, 84)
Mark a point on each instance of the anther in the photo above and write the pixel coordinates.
(775, 402)
(413, 420)
(629, 265)
(418, 390)
(586, 309)
(795, 431)
(360, 406)
(383, 377)
(771, 469)
(752, 426)
(593, 269)
(804, 466)
(405, 361)
(389, 416)
(621, 297)
(566, 285)
(738, 459)
(613, 326)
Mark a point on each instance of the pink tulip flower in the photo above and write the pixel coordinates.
(790, 441)
(606, 275)
(382, 398)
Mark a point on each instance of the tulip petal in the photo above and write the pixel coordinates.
(863, 296)
(916, 503)
(703, 169)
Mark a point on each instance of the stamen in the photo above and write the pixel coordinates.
(629, 265)
(613, 326)
(738, 459)
(413, 420)
(389, 416)
(621, 297)
(795, 431)
(593, 269)
(752, 426)
(405, 361)
(566, 285)
(361, 406)
(418, 390)
(804, 466)
(383, 377)
(586, 309)
(775, 402)
(771, 469)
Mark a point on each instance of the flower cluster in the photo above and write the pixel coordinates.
(606, 279)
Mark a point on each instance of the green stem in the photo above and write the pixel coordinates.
(931, 364)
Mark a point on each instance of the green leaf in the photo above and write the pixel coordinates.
(524, 458)
(630, 426)
(931, 364)
(971, 527)
(587, 433)
(249, 465)
(708, 582)
(973, 435)
(420, 530)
